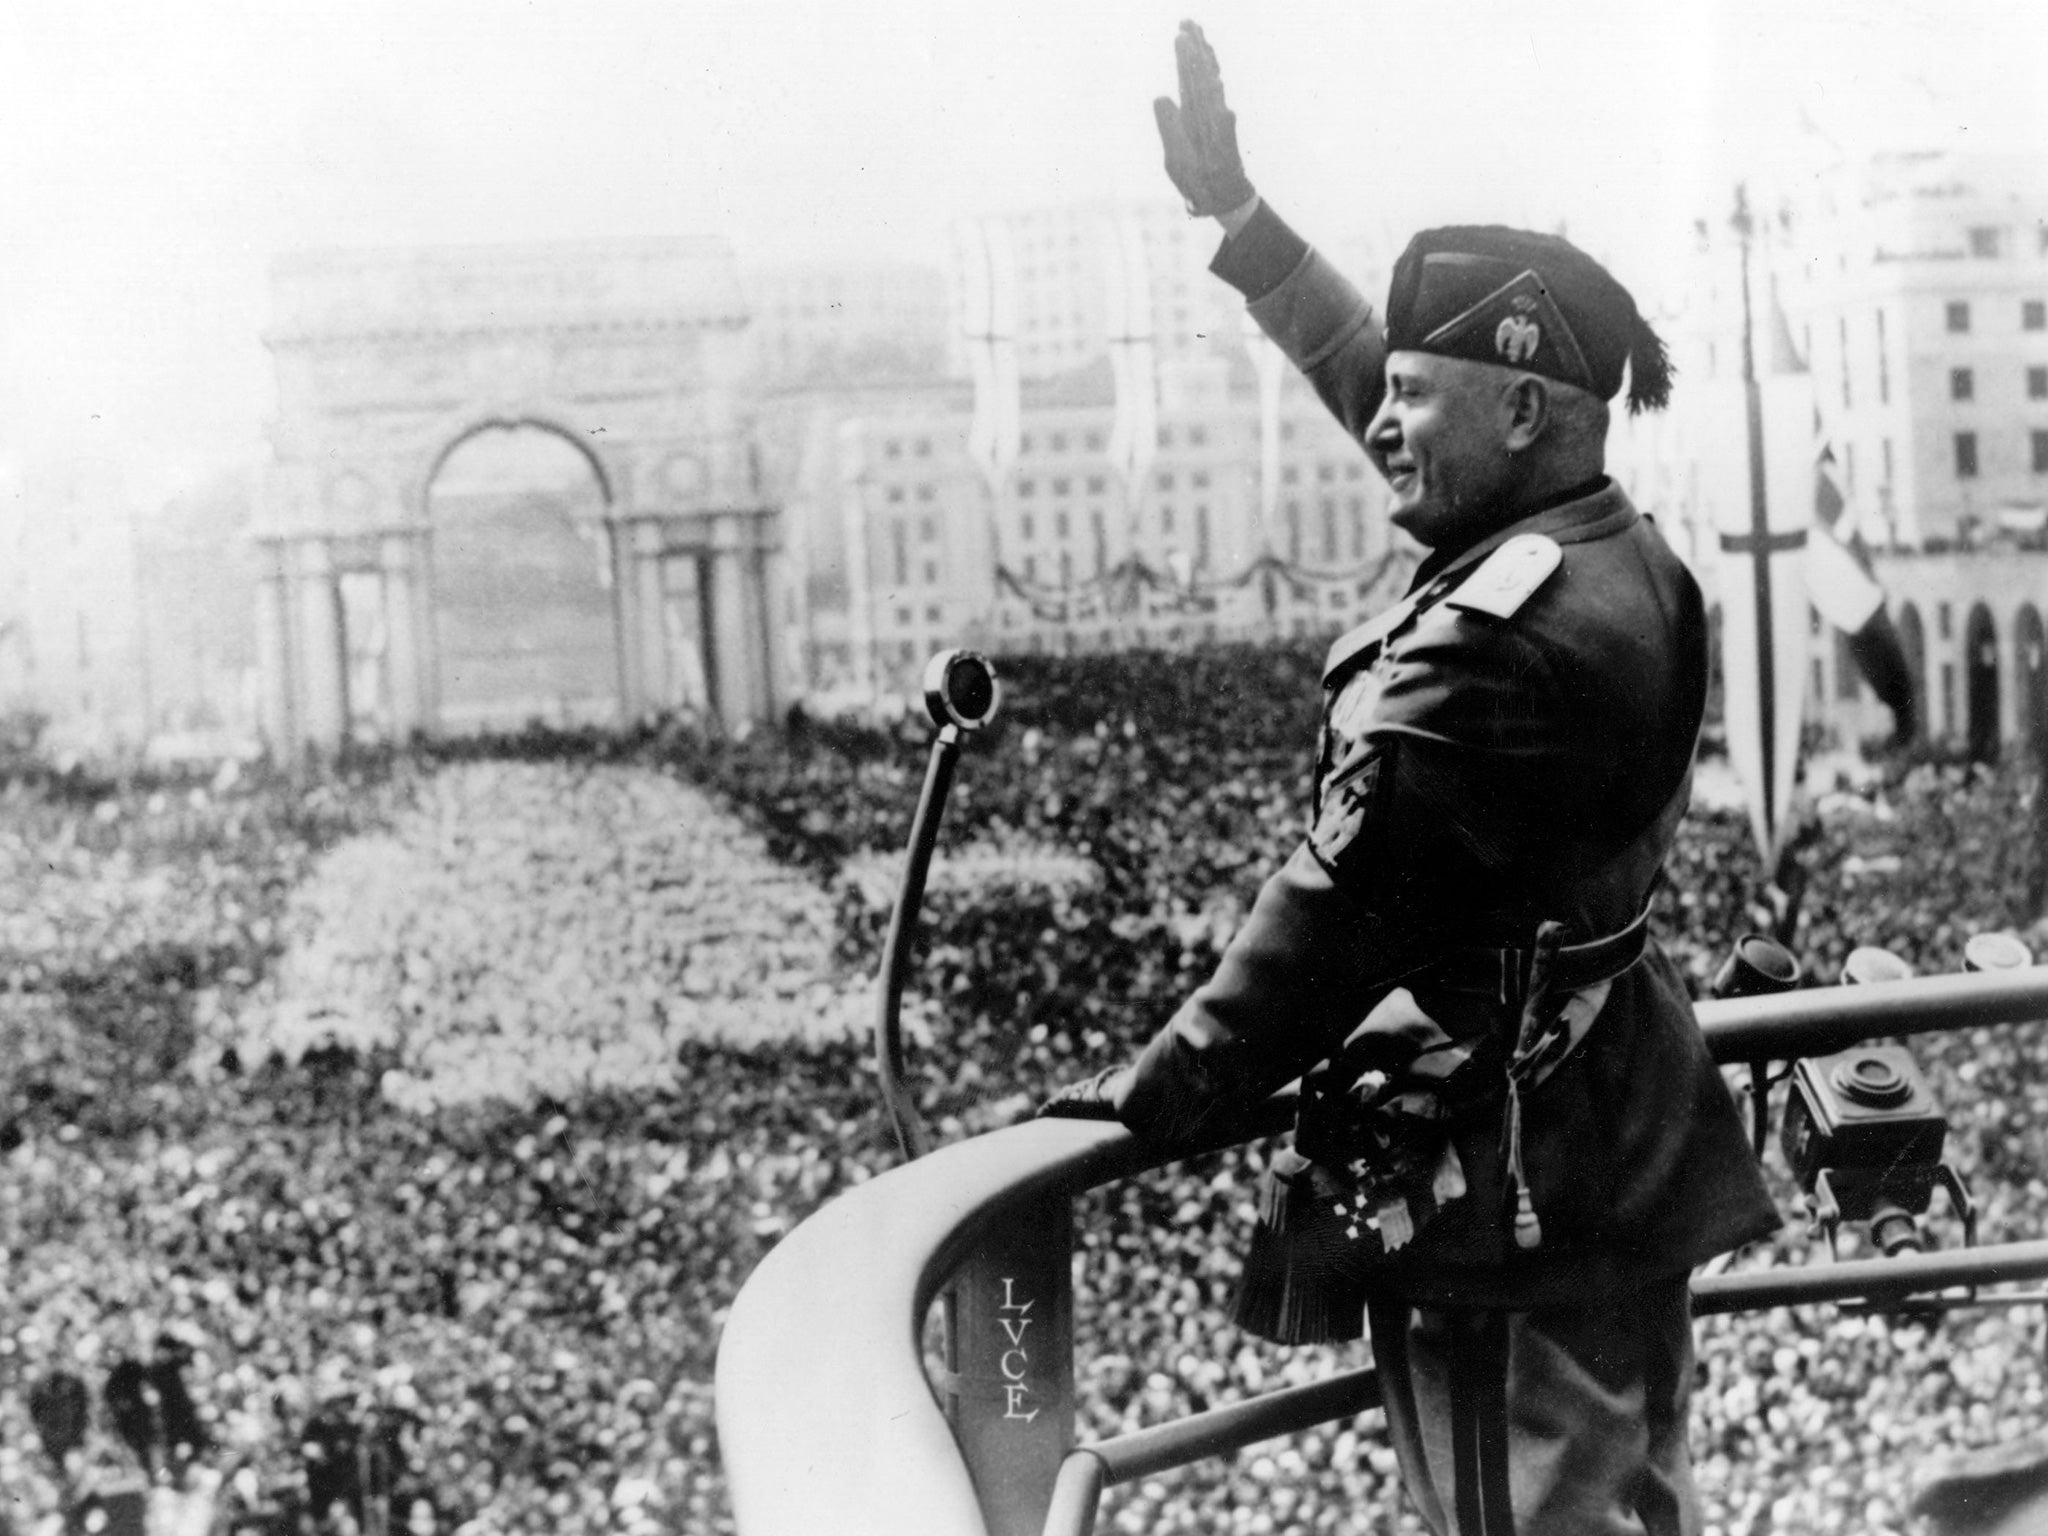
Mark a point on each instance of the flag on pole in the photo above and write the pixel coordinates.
(1848, 594)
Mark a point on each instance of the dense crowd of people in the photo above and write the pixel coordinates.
(531, 1277)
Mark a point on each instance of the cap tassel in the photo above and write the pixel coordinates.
(1649, 370)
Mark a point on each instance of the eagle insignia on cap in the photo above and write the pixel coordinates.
(1517, 337)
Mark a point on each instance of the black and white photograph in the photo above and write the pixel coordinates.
(772, 768)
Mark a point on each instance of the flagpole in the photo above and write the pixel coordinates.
(1760, 531)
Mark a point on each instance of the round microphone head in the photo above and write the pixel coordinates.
(1995, 952)
(960, 688)
(1867, 964)
(1760, 965)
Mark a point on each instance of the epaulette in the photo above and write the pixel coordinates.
(1508, 577)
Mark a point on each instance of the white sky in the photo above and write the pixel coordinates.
(154, 154)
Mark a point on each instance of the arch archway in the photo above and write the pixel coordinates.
(1913, 641)
(520, 592)
(1980, 692)
(392, 368)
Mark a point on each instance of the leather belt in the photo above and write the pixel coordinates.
(1502, 973)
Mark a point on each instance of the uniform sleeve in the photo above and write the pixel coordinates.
(1312, 312)
(1417, 828)
(1307, 962)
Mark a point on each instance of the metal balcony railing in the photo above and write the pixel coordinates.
(830, 1423)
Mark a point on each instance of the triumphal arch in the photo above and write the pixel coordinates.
(387, 363)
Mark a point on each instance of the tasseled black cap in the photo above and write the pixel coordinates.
(1523, 300)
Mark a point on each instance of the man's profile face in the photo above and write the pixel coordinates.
(1440, 439)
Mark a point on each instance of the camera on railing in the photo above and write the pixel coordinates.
(1863, 1132)
(1864, 1137)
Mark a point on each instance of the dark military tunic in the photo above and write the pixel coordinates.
(1505, 748)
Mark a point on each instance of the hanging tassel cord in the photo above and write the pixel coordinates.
(1533, 1041)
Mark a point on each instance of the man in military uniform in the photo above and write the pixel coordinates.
(1512, 1145)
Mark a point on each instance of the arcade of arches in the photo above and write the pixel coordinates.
(1971, 624)
(510, 484)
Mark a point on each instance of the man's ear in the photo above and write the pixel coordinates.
(1526, 408)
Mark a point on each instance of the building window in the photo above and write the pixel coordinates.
(892, 449)
(895, 493)
(2039, 439)
(935, 614)
(1166, 437)
(1202, 535)
(924, 492)
(1199, 480)
(1062, 487)
(1166, 519)
(1958, 317)
(1059, 442)
(1944, 621)
(2034, 315)
(924, 448)
(1289, 475)
(1962, 384)
(927, 529)
(931, 579)
(1060, 524)
(1966, 455)
(1096, 485)
(1198, 436)
(2037, 383)
(1026, 527)
(1948, 698)
(1027, 487)
(900, 546)
(1094, 442)
(1887, 448)
(1984, 241)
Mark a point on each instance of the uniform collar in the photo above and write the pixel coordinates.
(1587, 513)
(1591, 512)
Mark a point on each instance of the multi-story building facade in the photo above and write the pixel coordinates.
(1900, 303)
(851, 321)
(1919, 295)
(899, 545)
(74, 649)
(1064, 266)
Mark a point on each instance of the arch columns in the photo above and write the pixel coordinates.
(405, 616)
(323, 669)
(728, 551)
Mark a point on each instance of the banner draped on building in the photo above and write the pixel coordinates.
(989, 323)
(1133, 361)
(1764, 606)
(1270, 367)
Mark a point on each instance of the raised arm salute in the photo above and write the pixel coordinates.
(1512, 1145)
